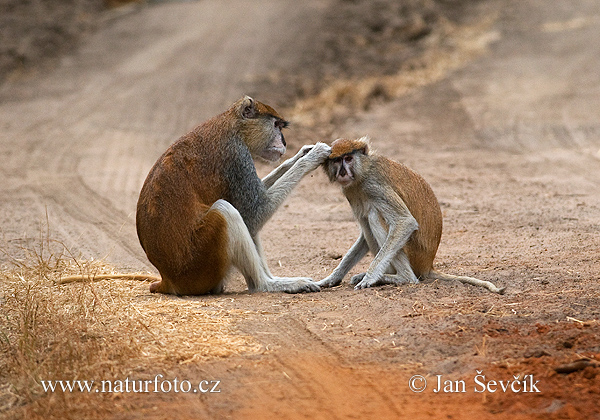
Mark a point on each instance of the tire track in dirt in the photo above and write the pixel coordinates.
(323, 383)
(520, 100)
(495, 197)
(81, 139)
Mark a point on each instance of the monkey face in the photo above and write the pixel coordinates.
(260, 127)
(276, 147)
(341, 169)
(345, 161)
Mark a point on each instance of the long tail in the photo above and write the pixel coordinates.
(98, 277)
(468, 280)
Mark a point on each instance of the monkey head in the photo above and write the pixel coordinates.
(344, 162)
(260, 128)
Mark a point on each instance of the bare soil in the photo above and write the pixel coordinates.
(508, 138)
(34, 34)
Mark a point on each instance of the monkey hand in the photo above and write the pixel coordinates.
(304, 150)
(364, 280)
(357, 279)
(330, 281)
(316, 154)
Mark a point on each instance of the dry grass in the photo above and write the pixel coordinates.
(451, 47)
(96, 331)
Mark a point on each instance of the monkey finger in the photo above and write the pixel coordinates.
(368, 281)
(329, 282)
(305, 149)
(357, 279)
(311, 288)
(324, 147)
(320, 151)
(362, 285)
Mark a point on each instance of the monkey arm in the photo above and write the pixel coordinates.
(401, 225)
(278, 172)
(352, 257)
(281, 188)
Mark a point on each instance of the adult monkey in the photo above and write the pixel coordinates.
(399, 217)
(203, 204)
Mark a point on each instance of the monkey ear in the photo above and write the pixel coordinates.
(248, 108)
(366, 145)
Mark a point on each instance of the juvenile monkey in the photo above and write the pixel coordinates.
(203, 204)
(399, 217)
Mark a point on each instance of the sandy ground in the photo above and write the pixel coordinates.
(509, 142)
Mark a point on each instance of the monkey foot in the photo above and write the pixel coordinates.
(329, 282)
(292, 285)
(366, 281)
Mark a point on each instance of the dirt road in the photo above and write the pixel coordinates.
(510, 143)
(80, 140)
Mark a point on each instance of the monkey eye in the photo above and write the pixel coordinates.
(348, 158)
(281, 124)
(337, 160)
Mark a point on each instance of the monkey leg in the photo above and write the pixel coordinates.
(200, 265)
(246, 255)
(261, 255)
(391, 241)
(401, 266)
(283, 284)
(281, 184)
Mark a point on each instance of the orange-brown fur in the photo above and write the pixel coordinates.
(204, 189)
(422, 203)
(203, 204)
(182, 238)
(399, 215)
(413, 190)
(179, 234)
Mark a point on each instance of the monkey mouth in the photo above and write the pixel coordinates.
(345, 181)
(272, 154)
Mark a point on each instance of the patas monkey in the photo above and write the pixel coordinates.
(399, 217)
(203, 204)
